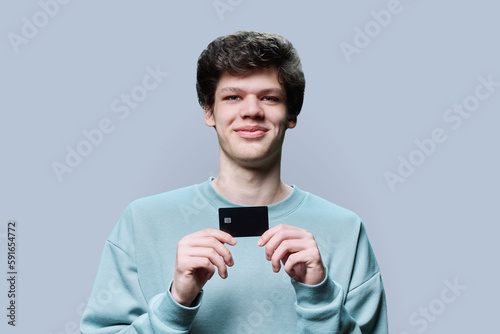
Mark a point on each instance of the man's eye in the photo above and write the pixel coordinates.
(271, 99)
(232, 98)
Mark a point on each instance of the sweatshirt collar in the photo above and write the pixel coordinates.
(276, 210)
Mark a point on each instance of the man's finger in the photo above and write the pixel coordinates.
(284, 250)
(279, 237)
(222, 236)
(212, 243)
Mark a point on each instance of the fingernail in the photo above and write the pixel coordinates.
(259, 243)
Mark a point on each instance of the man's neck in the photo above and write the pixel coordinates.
(251, 186)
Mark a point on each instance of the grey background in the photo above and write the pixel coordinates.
(358, 117)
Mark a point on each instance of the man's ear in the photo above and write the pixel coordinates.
(291, 122)
(209, 115)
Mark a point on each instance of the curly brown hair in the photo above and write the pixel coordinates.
(241, 52)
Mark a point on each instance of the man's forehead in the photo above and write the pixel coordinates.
(229, 83)
(236, 89)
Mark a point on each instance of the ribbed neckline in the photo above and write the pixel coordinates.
(276, 211)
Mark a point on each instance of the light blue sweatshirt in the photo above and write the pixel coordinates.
(131, 290)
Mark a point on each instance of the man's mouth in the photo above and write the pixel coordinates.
(251, 131)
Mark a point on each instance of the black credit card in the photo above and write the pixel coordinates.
(246, 221)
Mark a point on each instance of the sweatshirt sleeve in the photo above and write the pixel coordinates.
(117, 304)
(329, 308)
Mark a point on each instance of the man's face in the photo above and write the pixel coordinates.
(249, 115)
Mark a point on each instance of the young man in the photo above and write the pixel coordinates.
(312, 271)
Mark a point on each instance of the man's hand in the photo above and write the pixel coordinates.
(297, 250)
(197, 256)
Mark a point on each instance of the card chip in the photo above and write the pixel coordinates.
(227, 220)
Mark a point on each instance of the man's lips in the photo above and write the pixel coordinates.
(251, 131)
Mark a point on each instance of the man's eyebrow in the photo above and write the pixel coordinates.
(273, 90)
(278, 91)
(230, 90)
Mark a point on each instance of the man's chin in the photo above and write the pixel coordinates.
(256, 160)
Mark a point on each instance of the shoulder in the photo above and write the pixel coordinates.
(152, 211)
(163, 201)
(317, 206)
(331, 224)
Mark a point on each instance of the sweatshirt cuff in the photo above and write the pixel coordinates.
(173, 314)
(313, 296)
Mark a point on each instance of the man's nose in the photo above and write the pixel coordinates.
(252, 108)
